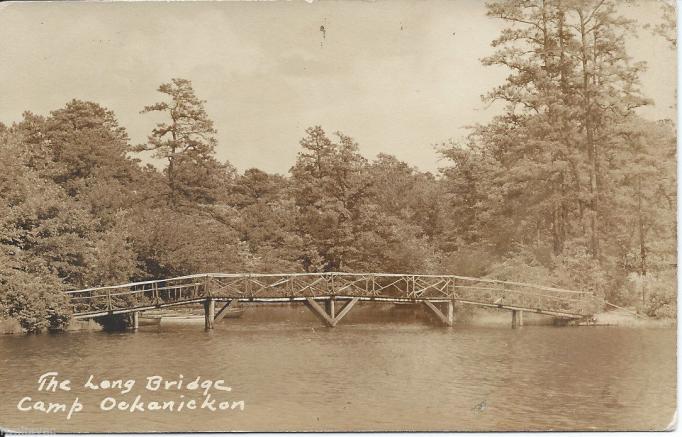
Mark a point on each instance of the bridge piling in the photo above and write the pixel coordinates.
(345, 310)
(517, 319)
(209, 313)
(136, 320)
(328, 314)
(451, 313)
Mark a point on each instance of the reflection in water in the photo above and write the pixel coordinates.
(369, 373)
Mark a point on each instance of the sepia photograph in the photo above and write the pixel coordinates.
(338, 216)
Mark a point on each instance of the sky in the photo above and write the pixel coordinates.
(398, 76)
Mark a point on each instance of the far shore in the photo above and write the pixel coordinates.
(484, 317)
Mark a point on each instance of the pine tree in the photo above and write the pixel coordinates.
(186, 141)
(329, 186)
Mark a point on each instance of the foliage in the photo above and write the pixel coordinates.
(667, 28)
(329, 184)
(187, 143)
(655, 295)
(36, 302)
(172, 243)
(568, 183)
(568, 186)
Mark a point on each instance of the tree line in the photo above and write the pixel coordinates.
(568, 186)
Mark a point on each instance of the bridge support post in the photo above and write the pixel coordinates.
(328, 314)
(224, 310)
(319, 311)
(136, 320)
(345, 310)
(517, 319)
(448, 319)
(209, 313)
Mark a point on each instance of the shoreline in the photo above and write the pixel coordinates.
(475, 317)
(12, 327)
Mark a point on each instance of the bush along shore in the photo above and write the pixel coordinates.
(13, 326)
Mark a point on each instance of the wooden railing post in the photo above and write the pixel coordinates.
(109, 299)
(207, 286)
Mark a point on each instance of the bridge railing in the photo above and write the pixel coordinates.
(102, 300)
(368, 285)
(411, 287)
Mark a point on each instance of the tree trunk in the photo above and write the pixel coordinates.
(589, 140)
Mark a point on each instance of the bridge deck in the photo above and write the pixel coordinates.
(386, 287)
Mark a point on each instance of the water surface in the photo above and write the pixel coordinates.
(393, 372)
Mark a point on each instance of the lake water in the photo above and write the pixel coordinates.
(383, 369)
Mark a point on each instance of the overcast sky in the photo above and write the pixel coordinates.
(398, 76)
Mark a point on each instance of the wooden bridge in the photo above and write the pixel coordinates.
(439, 293)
